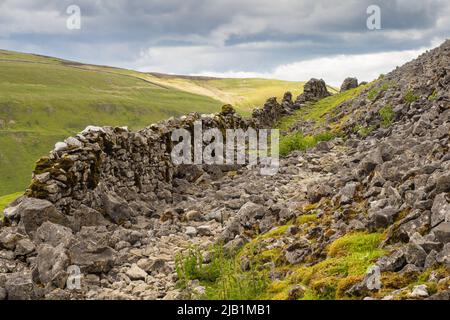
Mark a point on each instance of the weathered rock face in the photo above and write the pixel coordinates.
(349, 83)
(287, 104)
(313, 91)
(266, 116)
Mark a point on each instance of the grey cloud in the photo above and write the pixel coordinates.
(222, 31)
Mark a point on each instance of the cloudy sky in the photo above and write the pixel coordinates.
(285, 39)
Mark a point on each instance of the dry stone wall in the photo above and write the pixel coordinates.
(107, 168)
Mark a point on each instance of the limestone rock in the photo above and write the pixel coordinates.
(349, 83)
(34, 212)
(136, 273)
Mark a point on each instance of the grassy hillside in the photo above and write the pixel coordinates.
(315, 112)
(45, 99)
(244, 94)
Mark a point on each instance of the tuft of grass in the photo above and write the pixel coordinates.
(190, 266)
(355, 243)
(410, 97)
(223, 277)
(276, 232)
(433, 96)
(297, 141)
(306, 218)
(387, 116)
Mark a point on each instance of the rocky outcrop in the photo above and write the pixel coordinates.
(266, 116)
(287, 104)
(349, 83)
(313, 91)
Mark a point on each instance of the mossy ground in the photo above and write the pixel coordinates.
(347, 260)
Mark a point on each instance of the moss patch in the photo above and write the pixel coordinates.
(348, 259)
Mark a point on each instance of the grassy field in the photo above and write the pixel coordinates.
(45, 99)
(5, 200)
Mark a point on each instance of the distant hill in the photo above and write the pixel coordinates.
(45, 99)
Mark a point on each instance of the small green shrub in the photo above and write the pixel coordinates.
(410, 97)
(387, 116)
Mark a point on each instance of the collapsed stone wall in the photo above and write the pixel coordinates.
(113, 169)
(104, 164)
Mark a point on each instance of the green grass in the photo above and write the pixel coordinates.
(410, 97)
(387, 116)
(433, 96)
(5, 200)
(364, 131)
(44, 100)
(222, 278)
(296, 141)
(244, 94)
(348, 259)
(318, 110)
(313, 112)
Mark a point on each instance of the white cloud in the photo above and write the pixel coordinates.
(333, 70)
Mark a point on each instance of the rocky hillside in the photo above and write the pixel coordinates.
(365, 215)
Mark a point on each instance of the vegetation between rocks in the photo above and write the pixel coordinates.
(297, 141)
(222, 276)
(387, 116)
